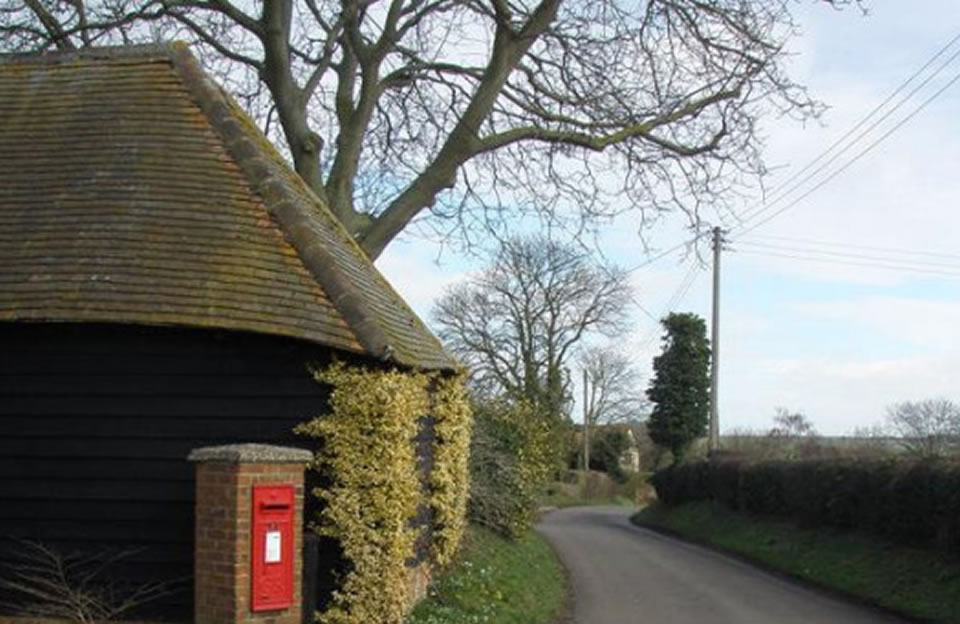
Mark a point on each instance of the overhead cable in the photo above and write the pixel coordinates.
(853, 160)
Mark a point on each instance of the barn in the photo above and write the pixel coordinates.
(166, 281)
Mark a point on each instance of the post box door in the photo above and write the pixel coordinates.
(272, 549)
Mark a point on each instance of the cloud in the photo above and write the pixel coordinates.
(922, 323)
(838, 395)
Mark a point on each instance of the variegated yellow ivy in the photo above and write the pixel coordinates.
(369, 455)
(450, 477)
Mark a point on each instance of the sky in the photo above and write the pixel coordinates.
(840, 340)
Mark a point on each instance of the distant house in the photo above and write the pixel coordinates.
(165, 281)
(629, 459)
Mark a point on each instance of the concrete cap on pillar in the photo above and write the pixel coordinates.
(250, 454)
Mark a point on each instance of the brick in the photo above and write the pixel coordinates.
(223, 529)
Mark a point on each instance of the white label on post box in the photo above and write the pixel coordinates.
(272, 551)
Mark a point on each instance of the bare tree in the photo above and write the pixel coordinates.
(928, 428)
(74, 586)
(614, 393)
(567, 110)
(794, 435)
(610, 393)
(787, 424)
(515, 325)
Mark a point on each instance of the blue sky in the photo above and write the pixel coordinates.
(837, 342)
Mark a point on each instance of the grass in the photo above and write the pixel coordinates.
(914, 582)
(497, 581)
(561, 499)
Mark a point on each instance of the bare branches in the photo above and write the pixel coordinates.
(614, 393)
(600, 142)
(515, 324)
(208, 38)
(73, 587)
(566, 111)
(52, 26)
(926, 429)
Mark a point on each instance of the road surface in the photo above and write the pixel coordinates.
(622, 574)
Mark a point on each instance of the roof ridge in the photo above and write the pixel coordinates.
(164, 50)
(267, 179)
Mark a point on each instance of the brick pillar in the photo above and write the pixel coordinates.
(226, 476)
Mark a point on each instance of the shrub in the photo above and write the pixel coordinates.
(914, 502)
(848, 486)
(724, 479)
(947, 490)
(910, 504)
(512, 456)
(761, 488)
(682, 483)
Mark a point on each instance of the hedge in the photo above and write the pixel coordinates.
(910, 502)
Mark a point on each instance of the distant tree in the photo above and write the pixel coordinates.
(793, 435)
(516, 324)
(791, 424)
(606, 449)
(613, 386)
(680, 388)
(613, 391)
(928, 428)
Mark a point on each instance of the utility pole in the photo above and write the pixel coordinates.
(715, 342)
(586, 426)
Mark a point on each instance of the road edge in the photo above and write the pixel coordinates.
(783, 574)
(564, 614)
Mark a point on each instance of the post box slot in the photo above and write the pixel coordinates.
(268, 505)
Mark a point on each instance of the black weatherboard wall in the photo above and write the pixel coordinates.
(96, 422)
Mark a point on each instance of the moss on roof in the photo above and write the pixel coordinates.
(134, 190)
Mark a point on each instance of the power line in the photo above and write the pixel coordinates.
(857, 256)
(648, 262)
(667, 252)
(872, 265)
(682, 289)
(836, 244)
(859, 155)
(643, 309)
(776, 194)
(630, 294)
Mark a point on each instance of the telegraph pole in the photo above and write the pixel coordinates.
(586, 426)
(715, 342)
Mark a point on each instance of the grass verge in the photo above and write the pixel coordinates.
(497, 581)
(910, 581)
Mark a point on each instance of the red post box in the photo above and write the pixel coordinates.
(271, 582)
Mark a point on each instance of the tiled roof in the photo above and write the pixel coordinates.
(134, 190)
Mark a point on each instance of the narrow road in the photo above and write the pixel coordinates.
(622, 574)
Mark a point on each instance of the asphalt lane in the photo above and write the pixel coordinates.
(622, 574)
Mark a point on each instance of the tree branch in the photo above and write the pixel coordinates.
(52, 26)
(641, 130)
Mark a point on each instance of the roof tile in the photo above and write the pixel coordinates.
(134, 190)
